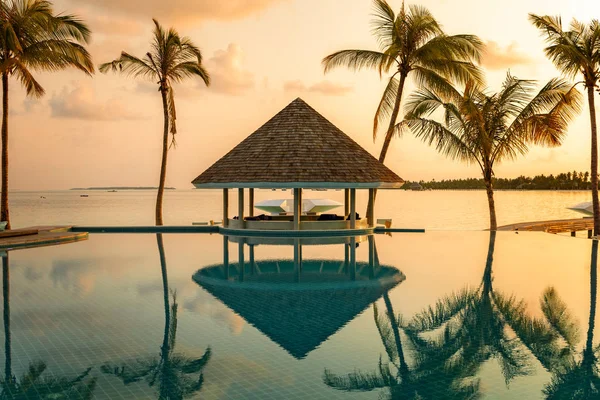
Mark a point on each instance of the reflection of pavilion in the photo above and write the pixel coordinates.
(297, 149)
(298, 303)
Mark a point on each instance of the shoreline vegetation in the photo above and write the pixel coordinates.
(563, 181)
(122, 188)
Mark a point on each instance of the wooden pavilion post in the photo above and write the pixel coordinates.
(346, 202)
(352, 208)
(251, 202)
(371, 210)
(241, 207)
(297, 208)
(225, 208)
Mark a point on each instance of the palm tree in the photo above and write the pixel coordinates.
(488, 128)
(32, 384)
(414, 43)
(171, 60)
(574, 52)
(33, 38)
(170, 370)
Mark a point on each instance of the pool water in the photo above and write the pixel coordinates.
(458, 315)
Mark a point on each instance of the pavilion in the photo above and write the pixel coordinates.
(298, 149)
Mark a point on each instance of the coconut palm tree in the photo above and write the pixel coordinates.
(488, 128)
(171, 60)
(170, 372)
(577, 52)
(410, 43)
(33, 384)
(33, 38)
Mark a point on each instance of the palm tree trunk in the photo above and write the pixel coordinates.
(163, 165)
(4, 215)
(6, 311)
(589, 345)
(390, 132)
(594, 166)
(490, 195)
(487, 274)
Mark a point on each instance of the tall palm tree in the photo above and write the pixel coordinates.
(170, 372)
(410, 43)
(171, 59)
(577, 52)
(488, 128)
(33, 38)
(33, 384)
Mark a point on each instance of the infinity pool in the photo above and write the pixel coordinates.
(440, 315)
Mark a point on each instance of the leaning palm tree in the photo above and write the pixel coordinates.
(171, 373)
(171, 59)
(410, 43)
(577, 52)
(488, 128)
(33, 38)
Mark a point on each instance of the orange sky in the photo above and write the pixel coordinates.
(106, 130)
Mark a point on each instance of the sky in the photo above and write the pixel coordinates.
(106, 130)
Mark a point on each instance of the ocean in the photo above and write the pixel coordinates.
(433, 210)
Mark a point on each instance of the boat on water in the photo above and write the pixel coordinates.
(84, 195)
(586, 208)
(112, 191)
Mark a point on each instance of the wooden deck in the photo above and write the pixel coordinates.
(554, 226)
(38, 236)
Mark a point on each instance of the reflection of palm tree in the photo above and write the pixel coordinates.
(481, 321)
(429, 376)
(32, 385)
(170, 371)
(579, 378)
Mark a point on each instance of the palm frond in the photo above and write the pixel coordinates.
(383, 23)
(357, 60)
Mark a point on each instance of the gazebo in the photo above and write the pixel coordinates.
(298, 149)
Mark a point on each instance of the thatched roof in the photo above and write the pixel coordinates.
(298, 148)
(298, 316)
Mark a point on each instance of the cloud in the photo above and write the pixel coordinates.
(498, 57)
(228, 75)
(183, 10)
(325, 87)
(81, 102)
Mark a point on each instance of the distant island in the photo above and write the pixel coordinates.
(123, 188)
(564, 181)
